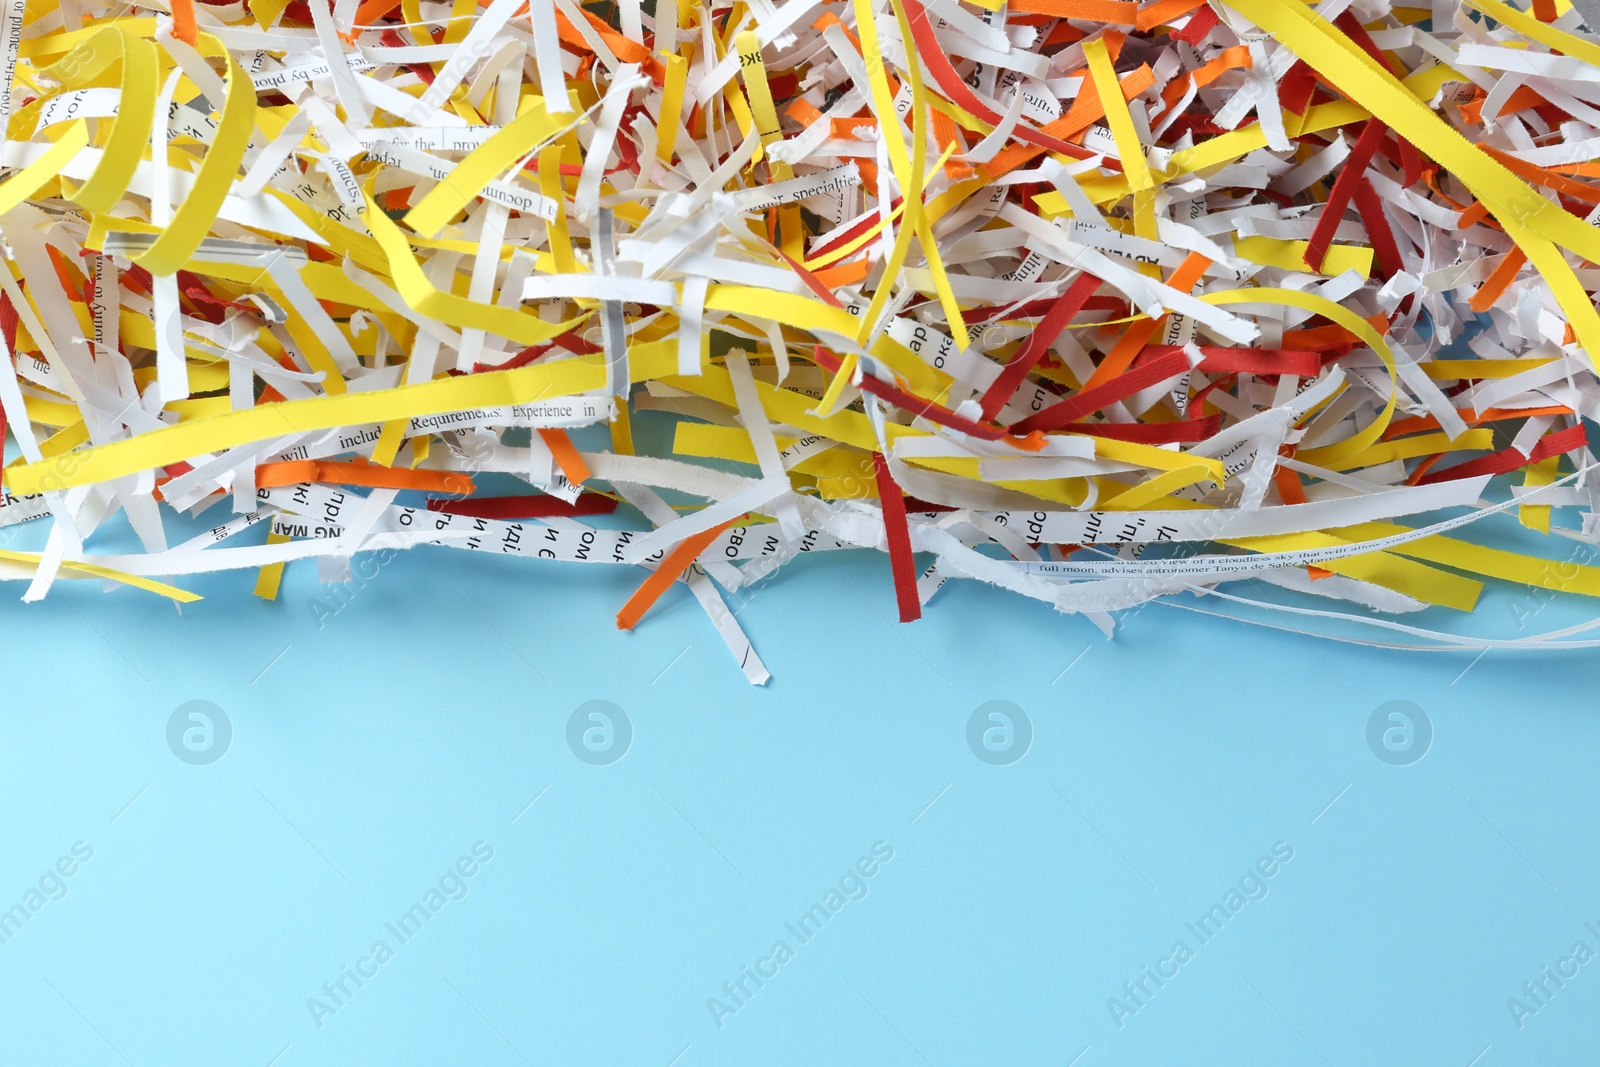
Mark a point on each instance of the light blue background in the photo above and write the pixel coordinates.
(369, 754)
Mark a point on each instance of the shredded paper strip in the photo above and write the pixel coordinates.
(1100, 302)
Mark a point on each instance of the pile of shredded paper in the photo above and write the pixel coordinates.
(1097, 301)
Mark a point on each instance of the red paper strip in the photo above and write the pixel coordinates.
(1297, 87)
(1089, 401)
(1204, 21)
(1384, 248)
(1351, 173)
(1185, 432)
(899, 536)
(914, 404)
(1299, 362)
(1044, 335)
(1510, 459)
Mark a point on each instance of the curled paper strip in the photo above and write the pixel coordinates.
(1096, 301)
